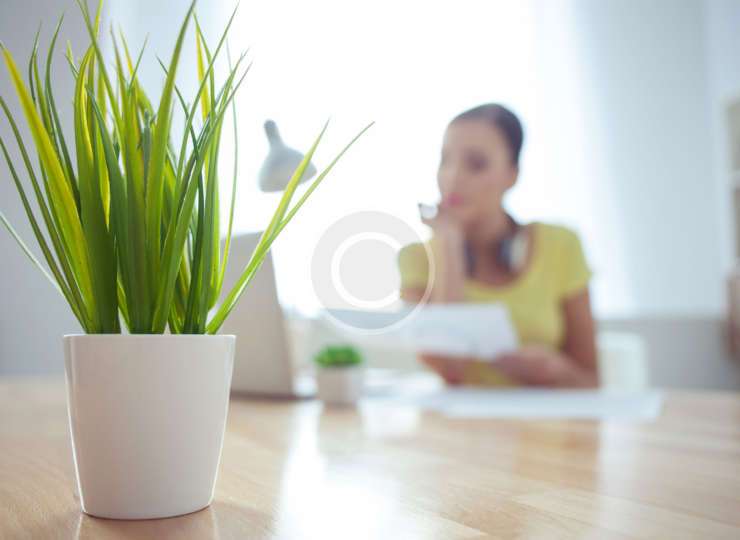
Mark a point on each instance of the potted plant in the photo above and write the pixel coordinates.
(339, 374)
(127, 218)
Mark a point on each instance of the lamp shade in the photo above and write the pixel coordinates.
(280, 163)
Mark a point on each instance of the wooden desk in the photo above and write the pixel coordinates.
(291, 470)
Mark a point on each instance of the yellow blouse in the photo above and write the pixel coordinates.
(557, 270)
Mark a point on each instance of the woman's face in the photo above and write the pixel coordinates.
(475, 171)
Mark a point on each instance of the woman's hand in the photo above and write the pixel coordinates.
(452, 370)
(441, 221)
(529, 366)
(539, 366)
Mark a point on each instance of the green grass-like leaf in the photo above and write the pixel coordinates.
(129, 228)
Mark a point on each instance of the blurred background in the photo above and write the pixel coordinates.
(627, 107)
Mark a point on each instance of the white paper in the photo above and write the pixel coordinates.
(538, 404)
(482, 330)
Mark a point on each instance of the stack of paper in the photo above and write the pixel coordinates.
(479, 330)
(536, 403)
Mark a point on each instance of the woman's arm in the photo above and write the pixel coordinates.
(450, 369)
(580, 334)
(447, 248)
(448, 252)
(573, 366)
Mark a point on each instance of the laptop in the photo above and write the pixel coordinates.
(263, 363)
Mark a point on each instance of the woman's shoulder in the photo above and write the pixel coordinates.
(414, 256)
(413, 264)
(563, 256)
(413, 251)
(552, 233)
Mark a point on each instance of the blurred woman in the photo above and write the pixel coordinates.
(482, 254)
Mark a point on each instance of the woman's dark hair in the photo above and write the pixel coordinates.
(502, 118)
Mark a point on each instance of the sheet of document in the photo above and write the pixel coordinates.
(480, 330)
(528, 403)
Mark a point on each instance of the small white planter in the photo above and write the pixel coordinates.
(340, 385)
(147, 415)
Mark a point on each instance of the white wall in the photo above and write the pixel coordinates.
(645, 158)
(722, 24)
(656, 75)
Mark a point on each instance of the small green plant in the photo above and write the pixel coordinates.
(338, 356)
(131, 217)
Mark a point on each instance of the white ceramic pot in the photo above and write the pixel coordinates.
(339, 385)
(147, 415)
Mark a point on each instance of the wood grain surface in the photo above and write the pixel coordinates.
(297, 470)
